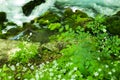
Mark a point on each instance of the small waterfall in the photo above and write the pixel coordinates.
(13, 8)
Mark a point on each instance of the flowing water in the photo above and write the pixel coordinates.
(13, 8)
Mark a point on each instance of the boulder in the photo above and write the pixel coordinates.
(113, 24)
(2, 17)
(28, 7)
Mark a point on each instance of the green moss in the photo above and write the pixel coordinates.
(113, 24)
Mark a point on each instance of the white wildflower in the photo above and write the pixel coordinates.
(32, 67)
(18, 77)
(63, 79)
(96, 73)
(113, 70)
(17, 64)
(99, 70)
(73, 76)
(30, 34)
(109, 73)
(59, 76)
(9, 77)
(51, 74)
(29, 64)
(106, 66)
(98, 58)
(32, 79)
(12, 67)
(37, 76)
(24, 68)
(47, 62)
(75, 68)
(50, 69)
(104, 30)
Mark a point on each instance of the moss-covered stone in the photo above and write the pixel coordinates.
(75, 19)
(47, 18)
(113, 24)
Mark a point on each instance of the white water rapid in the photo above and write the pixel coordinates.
(91, 7)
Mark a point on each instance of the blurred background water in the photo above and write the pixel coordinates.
(13, 8)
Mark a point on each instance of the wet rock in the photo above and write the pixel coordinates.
(113, 24)
(53, 47)
(75, 19)
(47, 18)
(28, 7)
(2, 17)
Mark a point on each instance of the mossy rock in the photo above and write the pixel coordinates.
(47, 18)
(113, 24)
(75, 19)
(41, 35)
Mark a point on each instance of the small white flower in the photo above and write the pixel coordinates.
(73, 76)
(106, 66)
(75, 68)
(104, 30)
(99, 70)
(70, 73)
(98, 51)
(32, 79)
(113, 70)
(29, 64)
(63, 79)
(30, 34)
(63, 70)
(98, 58)
(55, 62)
(37, 76)
(18, 77)
(47, 62)
(17, 64)
(9, 77)
(51, 74)
(59, 76)
(109, 73)
(24, 68)
(32, 67)
(96, 73)
(12, 67)
(50, 69)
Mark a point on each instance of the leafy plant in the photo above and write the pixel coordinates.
(27, 51)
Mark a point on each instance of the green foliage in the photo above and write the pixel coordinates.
(54, 26)
(27, 51)
(90, 52)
